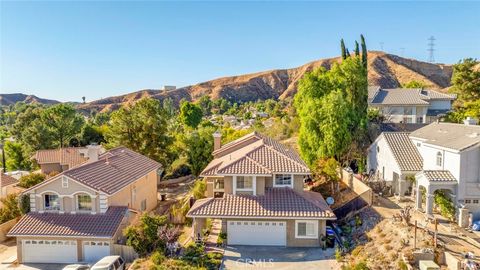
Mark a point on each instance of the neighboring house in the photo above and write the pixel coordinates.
(255, 186)
(79, 214)
(450, 156)
(62, 159)
(8, 185)
(393, 157)
(403, 105)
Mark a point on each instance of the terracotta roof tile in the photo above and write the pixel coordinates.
(70, 156)
(70, 225)
(7, 180)
(256, 154)
(404, 152)
(276, 203)
(114, 170)
(439, 176)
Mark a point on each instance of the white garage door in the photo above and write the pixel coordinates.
(258, 233)
(49, 251)
(93, 251)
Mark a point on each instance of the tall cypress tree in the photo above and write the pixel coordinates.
(364, 51)
(347, 53)
(344, 51)
(357, 50)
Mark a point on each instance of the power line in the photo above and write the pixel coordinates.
(431, 49)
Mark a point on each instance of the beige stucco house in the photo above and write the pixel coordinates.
(255, 185)
(78, 215)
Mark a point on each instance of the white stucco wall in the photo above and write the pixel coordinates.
(440, 105)
(382, 159)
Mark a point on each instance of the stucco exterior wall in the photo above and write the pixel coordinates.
(298, 182)
(228, 184)
(382, 161)
(260, 185)
(268, 181)
(290, 231)
(50, 167)
(145, 188)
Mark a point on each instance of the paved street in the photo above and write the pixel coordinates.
(250, 257)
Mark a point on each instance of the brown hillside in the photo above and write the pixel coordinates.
(10, 99)
(384, 69)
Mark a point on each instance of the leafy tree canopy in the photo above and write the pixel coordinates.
(63, 122)
(190, 114)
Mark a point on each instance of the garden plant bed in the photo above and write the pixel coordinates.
(343, 195)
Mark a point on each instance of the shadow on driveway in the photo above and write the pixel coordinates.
(262, 257)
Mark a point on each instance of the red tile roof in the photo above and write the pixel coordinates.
(70, 225)
(7, 180)
(114, 170)
(276, 203)
(64, 156)
(256, 154)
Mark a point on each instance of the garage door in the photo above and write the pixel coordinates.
(49, 251)
(258, 233)
(93, 251)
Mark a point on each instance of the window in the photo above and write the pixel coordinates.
(218, 184)
(419, 144)
(420, 119)
(52, 202)
(468, 201)
(408, 111)
(283, 180)
(306, 229)
(378, 149)
(439, 159)
(143, 205)
(84, 202)
(475, 201)
(244, 182)
(64, 182)
(134, 195)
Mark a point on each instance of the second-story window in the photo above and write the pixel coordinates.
(439, 159)
(52, 202)
(283, 180)
(84, 202)
(244, 182)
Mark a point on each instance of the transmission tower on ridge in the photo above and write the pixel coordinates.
(431, 49)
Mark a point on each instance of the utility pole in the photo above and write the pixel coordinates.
(431, 49)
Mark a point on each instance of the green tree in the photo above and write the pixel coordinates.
(63, 122)
(414, 84)
(466, 80)
(190, 114)
(357, 49)
(332, 106)
(198, 147)
(16, 159)
(343, 49)
(91, 134)
(143, 237)
(206, 105)
(143, 128)
(30, 131)
(30, 180)
(364, 51)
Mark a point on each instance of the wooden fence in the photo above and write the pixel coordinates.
(126, 252)
(5, 227)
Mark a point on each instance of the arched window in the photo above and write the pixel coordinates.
(439, 159)
(84, 202)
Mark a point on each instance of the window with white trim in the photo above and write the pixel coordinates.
(52, 202)
(244, 182)
(439, 159)
(306, 229)
(84, 202)
(143, 205)
(283, 180)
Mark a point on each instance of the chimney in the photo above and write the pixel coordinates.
(93, 151)
(470, 121)
(217, 140)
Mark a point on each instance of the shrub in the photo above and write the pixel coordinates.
(157, 257)
(199, 189)
(25, 204)
(31, 180)
(357, 251)
(447, 208)
(10, 208)
(402, 265)
(178, 169)
(143, 237)
(338, 255)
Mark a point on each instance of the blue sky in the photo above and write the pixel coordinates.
(66, 50)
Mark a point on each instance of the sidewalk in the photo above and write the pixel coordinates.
(211, 243)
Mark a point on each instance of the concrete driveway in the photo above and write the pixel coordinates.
(254, 257)
(36, 266)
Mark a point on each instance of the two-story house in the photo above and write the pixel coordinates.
(255, 185)
(62, 159)
(79, 214)
(393, 158)
(450, 159)
(404, 105)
